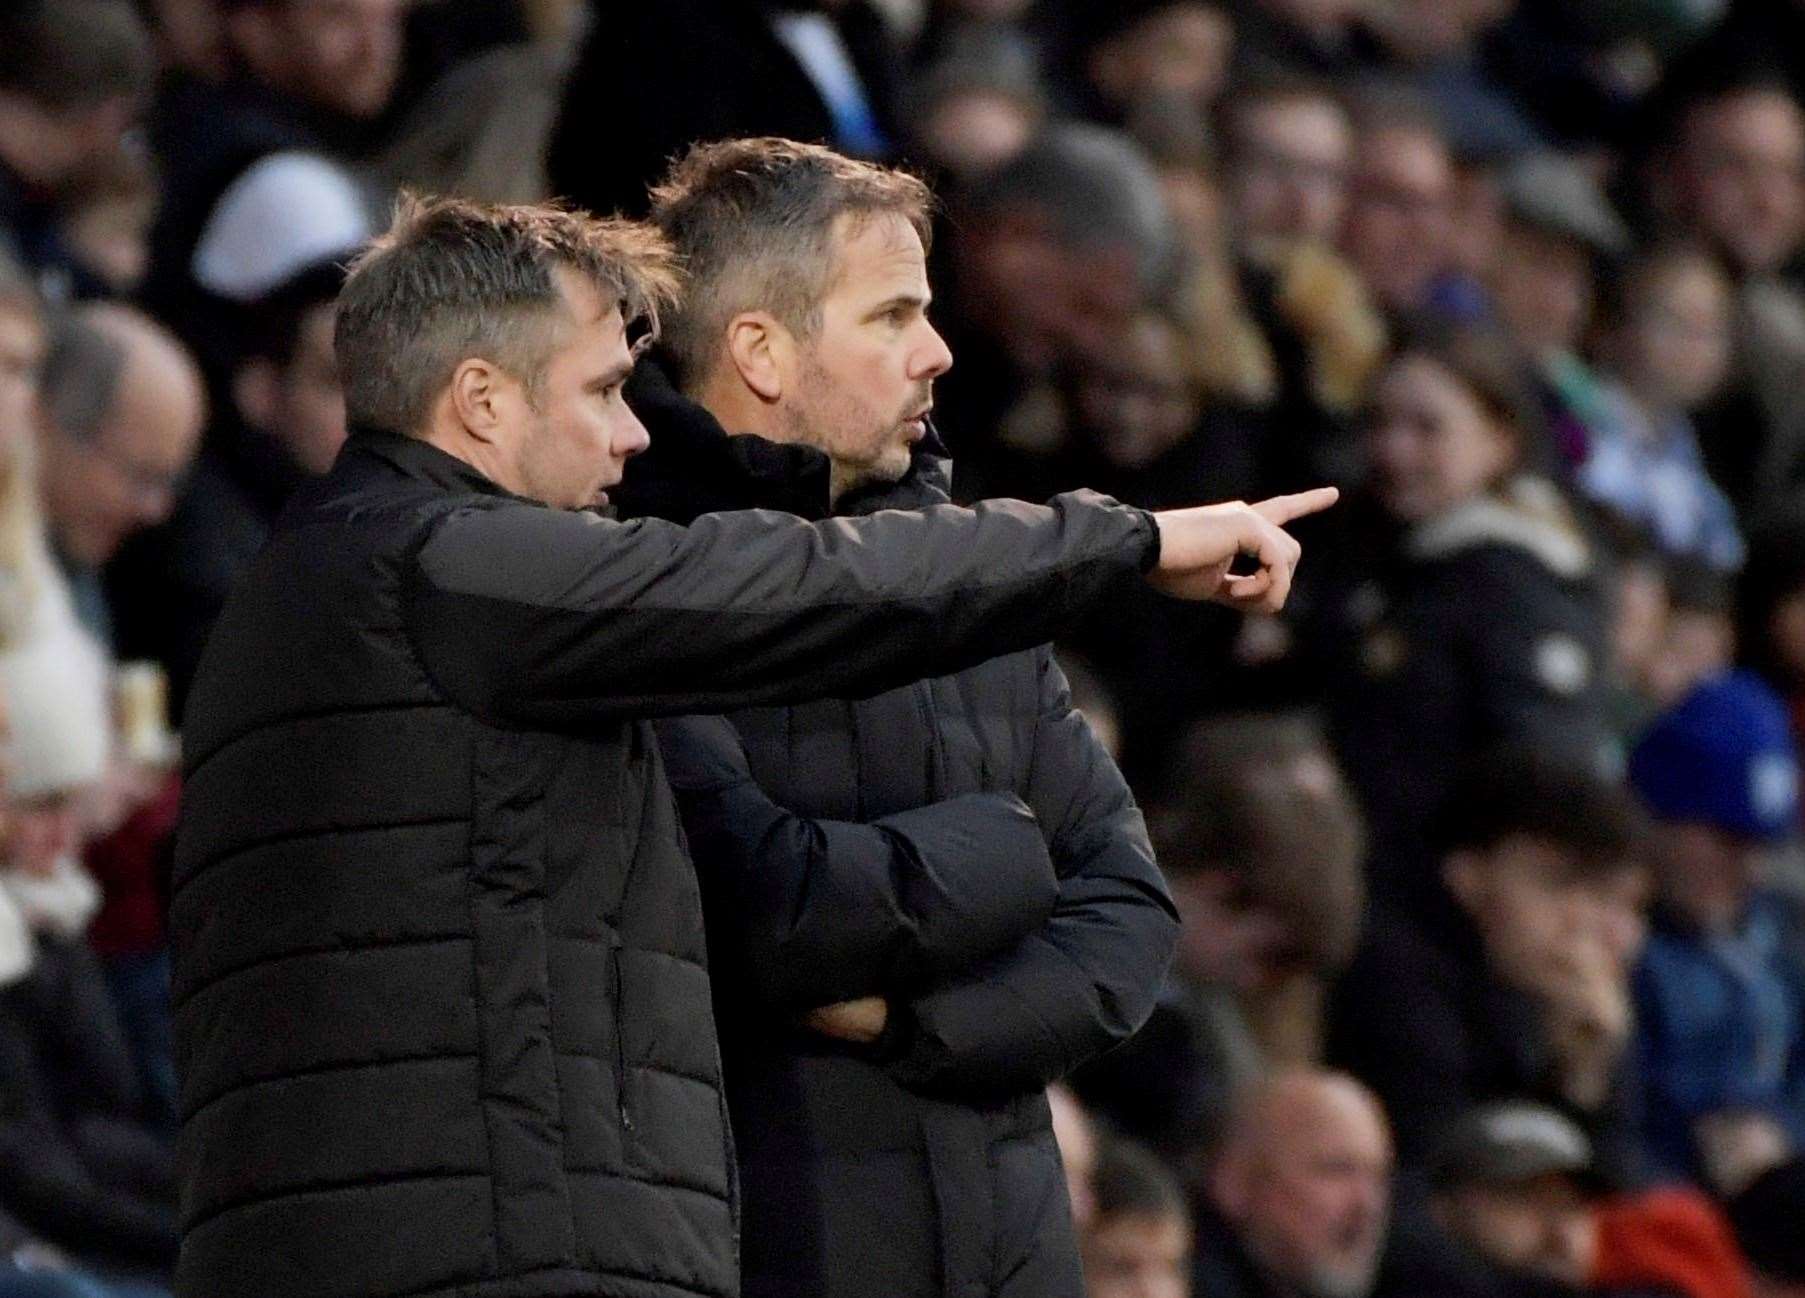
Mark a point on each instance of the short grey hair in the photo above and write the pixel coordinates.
(1095, 187)
(452, 279)
(753, 222)
(81, 375)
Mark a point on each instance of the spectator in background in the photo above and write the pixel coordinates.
(976, 106)
(1731, 174)
(71, 80)
(122, 410)
(1520, 986)
(1433, 47)
(1048, 260)
(1139, 1243)
(1131, 55)
(1720, 995)
(285, 425)
(107, 220)
(1463, 611)
(1399, 227)
(1515, 1183)
(1558, 229)
(1289, 147)
(1262, 847)
(79, 1162)
(1666, 350)
(254, 167)
(1299, 1195)
(654, 79)
(1698, 634)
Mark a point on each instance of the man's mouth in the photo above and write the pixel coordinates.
(917, 423)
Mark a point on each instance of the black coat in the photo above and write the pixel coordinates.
(442, 1013)
(961, 846)
(80, 1163)
(1480, 628)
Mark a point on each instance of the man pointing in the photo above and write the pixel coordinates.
(443, 1021)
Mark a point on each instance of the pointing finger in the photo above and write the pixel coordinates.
(1283, 509)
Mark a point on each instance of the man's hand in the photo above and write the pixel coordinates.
(1199, 545)
(860, 1022)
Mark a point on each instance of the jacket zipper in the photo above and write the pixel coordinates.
(620, 1044)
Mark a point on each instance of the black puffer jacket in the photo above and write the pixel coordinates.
(442, 1014)
(961, 846)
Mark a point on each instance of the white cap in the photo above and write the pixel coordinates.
(287, 213)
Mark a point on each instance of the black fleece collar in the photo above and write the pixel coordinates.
(694, 466)
(423, 461)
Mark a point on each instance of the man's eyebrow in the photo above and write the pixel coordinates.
(900, 299)
(617, 374)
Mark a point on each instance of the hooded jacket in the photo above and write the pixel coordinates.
(442, 1010)
(961, 846)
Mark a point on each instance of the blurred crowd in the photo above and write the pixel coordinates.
(1492, 978)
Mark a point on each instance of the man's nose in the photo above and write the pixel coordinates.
(933, 359)
(633, 439)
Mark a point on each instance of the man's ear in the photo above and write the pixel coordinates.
(479, 390)
(255, 389)
(761, 351)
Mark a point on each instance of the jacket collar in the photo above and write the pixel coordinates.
(694, 466)
(421, 461)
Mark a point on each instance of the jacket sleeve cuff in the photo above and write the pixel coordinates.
(1150, 556)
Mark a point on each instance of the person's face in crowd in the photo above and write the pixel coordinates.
(572, 436)
(300, 402)
(1431, 444)
(344, 55)
(21, 356)
(1044, 300)
(111, 238)
(1137, 401)
(974, 132)
(1288, 179)
(1638, 620)
(191, 35)
(57, 146)
(1137, 1256)
(859, 387)
(101, 489)
(1399, 222)
(1540, 1227)
(1077, 1141)
(1696, 644)
(41, 832)
(1309, 1190)
(1179, 52)
(1532, 907)
(1542, 284)
(1674, 347)
(1477, 237)
(1706, 874)
(1741, 177)
(1195, 206)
